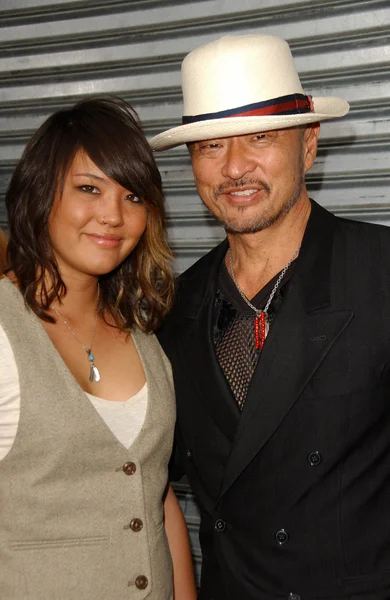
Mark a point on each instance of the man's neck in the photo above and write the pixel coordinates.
(258, 257)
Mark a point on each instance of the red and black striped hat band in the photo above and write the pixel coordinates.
(293, 104)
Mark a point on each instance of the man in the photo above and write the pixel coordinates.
(280, 345)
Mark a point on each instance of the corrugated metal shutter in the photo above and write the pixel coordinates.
(53, 52)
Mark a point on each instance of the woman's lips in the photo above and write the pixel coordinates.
(105, 240)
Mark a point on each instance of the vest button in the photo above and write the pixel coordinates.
(220, 525)
(129, 468)
(136, 525)
(281, 537)
(141, 582)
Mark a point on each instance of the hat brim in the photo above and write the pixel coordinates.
(324, 108)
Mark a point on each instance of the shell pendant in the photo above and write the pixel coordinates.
(94, 373)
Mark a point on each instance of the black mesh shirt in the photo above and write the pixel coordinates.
(233, 331)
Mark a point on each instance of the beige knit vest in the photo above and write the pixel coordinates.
(81, 517)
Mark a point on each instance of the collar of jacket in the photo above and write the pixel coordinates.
(197, 286)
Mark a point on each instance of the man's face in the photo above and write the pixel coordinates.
(249, 182)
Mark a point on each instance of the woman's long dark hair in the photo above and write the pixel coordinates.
(140, 290)
(3, 251)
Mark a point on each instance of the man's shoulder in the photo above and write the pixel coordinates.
(194, 286)
(324, 217)
(362, 230)
(204, 265)
(362, 247)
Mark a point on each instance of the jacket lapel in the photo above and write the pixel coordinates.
(194, 341)
(302, 334)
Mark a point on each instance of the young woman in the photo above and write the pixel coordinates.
(86, 396)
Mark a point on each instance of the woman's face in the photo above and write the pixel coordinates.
(96, 223)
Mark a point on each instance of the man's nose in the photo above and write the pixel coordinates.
(238, 160)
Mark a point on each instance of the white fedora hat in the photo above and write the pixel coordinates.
(243, 84)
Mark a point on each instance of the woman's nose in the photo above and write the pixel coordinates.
(111, 212)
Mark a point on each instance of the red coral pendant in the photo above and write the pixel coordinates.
(260, 330)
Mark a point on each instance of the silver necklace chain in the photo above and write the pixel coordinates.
(94, 373)
(282, 273)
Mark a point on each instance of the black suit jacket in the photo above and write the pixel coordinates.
(294, 493)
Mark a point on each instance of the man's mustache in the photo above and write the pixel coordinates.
(229, 186)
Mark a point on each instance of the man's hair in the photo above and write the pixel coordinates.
(107, 129)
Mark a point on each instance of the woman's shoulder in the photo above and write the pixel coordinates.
(148, 345)
(7, 281)
(145, 341)
(10, 296)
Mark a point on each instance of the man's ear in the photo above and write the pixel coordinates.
(310, 144)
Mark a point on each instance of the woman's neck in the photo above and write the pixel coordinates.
(81, 297)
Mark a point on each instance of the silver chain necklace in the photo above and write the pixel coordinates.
(261, 321)
(94, 373)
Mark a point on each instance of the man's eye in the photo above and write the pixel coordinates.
(208, 147)
(260, 136)
(89, 189)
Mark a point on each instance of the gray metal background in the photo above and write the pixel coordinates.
(53, 52)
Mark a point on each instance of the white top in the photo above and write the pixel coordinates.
(125, 419)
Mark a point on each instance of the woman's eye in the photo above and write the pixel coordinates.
(133, 198)
(89, 189)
